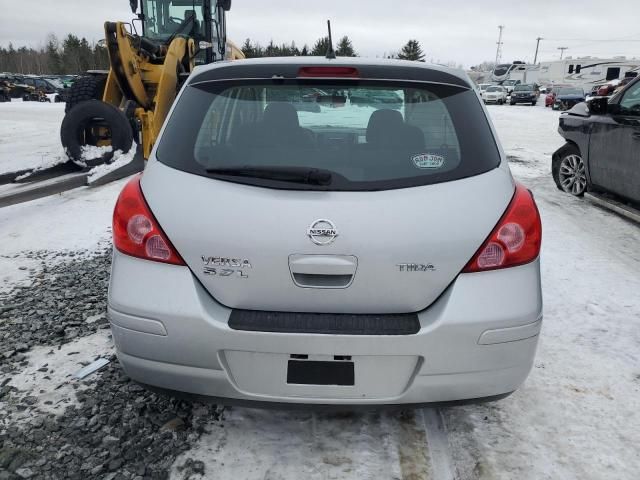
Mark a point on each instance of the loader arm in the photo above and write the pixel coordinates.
(151, 83)
(125, 63)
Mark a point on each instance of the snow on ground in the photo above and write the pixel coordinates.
(49, 374)
(266, 444)
(30, 135)
(76, 220)
(529, 136)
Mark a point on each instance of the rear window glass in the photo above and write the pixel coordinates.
(368, 135)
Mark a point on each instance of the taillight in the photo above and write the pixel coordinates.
(329, 72)
(515, 240)
(135, 230)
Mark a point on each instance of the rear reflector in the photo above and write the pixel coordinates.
(515, 240)
(329, 72)
(135, 230)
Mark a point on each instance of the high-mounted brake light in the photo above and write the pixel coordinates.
(515, 240)
(328, 72)
(135, 230)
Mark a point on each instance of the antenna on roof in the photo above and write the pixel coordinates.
(330, 52)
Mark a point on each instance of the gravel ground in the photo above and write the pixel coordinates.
(113, 428)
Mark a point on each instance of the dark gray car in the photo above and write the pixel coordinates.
(526, 93)
(603, 146)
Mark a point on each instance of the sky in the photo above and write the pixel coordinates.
(461, 32)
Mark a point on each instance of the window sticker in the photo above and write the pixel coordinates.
(428, 161)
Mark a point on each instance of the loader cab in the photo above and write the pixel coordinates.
(202, 20)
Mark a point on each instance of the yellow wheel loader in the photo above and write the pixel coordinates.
(125, 107)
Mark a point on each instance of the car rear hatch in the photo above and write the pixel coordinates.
(368, 238)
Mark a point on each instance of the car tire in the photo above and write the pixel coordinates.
(569, 171)
(78, 130)
(533, 104)
(88, 87)
(512, 103)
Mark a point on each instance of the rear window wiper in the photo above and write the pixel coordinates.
(311, 176)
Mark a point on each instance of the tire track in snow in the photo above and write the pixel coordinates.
(437, 444)
(289, 445)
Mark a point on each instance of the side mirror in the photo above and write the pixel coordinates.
(134, 5)
(598, 105)
(225, 5)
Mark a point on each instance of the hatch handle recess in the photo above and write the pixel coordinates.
(323, 271)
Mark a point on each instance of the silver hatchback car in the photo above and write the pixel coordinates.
(324, 231)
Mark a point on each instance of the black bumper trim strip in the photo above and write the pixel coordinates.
(325, 323)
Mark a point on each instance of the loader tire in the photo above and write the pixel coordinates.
(88, 87)
(80, 125)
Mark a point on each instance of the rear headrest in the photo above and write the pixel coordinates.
(281, 115)
(384, 125)
(189, 14)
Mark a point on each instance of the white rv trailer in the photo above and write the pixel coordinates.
(587, 72)
(517, 70)
(584, 72)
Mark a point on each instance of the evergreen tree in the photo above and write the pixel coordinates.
(411, 51)
(100, 57)
(247, 49)
(85, 56)
(320, 47)
(345, 48)
(71, 54)
(305, 51)
(54, 62)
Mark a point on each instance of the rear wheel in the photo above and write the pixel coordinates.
(88, 87)
(569, 172)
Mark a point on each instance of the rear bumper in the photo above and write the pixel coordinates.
(530, 99)
(477, 340)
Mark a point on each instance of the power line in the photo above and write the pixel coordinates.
(627, 39)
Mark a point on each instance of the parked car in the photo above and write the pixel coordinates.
(5, 91)
(483, 86)
(601, 152)
(567, 97)
(550, 98)
(525, 93)
(15, 84)
(495, 94)
(40, 84)
(272, 255)
(509, 85)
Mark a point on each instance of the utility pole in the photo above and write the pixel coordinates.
(562, 49)
(501, 27)
(535, 58)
